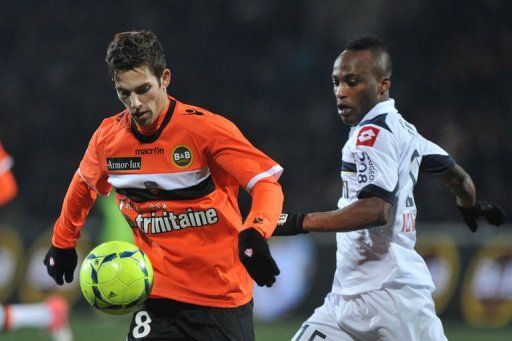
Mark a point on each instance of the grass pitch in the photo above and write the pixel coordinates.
(93, 326)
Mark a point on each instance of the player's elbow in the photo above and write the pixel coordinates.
(380, 211)
(384, 213)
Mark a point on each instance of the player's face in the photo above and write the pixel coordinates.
(356, 86)
(142, 93)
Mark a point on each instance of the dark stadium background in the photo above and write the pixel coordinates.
(266, 65)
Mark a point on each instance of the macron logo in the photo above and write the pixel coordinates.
(367, 136)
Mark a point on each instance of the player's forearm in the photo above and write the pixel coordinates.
(461, 185)
(267, 203)
(363, 213)
(77, 203)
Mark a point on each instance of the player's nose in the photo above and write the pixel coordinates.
(135, 101)
(341, 91)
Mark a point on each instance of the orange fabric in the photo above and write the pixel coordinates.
(7, 318)
(266, 196)
(77, 203)
(8, 187)
(195, 261)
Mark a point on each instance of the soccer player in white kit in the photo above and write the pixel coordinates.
(382, 287)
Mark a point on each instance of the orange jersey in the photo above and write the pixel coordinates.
(8, 187)
(178, 191)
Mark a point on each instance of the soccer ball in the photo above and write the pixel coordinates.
(116, 277)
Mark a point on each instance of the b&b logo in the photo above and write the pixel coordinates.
(181, 156)
(367, 136)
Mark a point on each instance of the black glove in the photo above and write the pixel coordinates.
(59, 263)
(491, 212)
(290, 224)
(255, 256)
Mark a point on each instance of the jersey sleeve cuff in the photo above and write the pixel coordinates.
(64, 243)
(372, 190)
(259, 223)
(436, 164)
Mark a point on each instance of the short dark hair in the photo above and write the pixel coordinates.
(377, 47)
(129, 50)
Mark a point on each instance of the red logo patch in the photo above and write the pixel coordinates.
(367, 136)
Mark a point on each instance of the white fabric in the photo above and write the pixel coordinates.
(275, 171)
(403, 313)
(165, 181)
(30, 315)
(5, 164)
(375, 158)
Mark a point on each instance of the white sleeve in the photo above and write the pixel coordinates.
(435, 160)
(376, 158)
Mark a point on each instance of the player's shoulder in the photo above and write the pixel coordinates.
(114, 124)
(198, 119)
(371, 130)
(380, 121)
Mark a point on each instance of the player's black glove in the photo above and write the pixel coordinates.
(61, 263)
(255, 256)
(290, 224)
(491, 212)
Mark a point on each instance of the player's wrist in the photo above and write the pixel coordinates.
(290, 224)
(254, 253)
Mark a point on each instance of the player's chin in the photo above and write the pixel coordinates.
(348, 118)
(144, 119)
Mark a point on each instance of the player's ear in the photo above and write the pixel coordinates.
(166, 78)
(385, 84)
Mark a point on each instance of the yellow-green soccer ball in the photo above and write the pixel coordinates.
(116, 277)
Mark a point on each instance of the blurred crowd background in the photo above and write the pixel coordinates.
(267, 66)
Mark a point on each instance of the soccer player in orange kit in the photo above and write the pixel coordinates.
(8, 187)
(176, 170)
(51, 314)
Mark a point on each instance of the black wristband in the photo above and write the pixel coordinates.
(290, 224)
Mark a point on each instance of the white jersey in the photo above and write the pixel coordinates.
(382, 157)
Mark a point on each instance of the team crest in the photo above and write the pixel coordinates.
(181, 156)
(152, 187)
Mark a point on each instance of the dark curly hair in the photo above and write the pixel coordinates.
(129, 50)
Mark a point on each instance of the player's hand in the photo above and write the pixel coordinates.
(60, 264)
(494, 214)
(255, 256)
(290, 224)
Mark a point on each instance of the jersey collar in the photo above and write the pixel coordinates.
(152, 138)
(386, 107)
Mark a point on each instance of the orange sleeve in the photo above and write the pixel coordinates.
(8, 187)
(92, 168)
(230, 150)
(77, 203)
(267, 203)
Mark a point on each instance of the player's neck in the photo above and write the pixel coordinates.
(153, 127)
